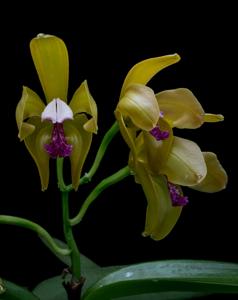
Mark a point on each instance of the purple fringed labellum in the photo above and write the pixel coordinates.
(58, 146)
(57, 111)
(176, 195)
(158, 134)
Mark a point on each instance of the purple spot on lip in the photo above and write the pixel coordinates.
(58, 146)
(158, 134)
(176, 196)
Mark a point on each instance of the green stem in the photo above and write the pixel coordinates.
(59, 171)
(102, 149)
(105, 183)
(99, 156)
(68, 233)
(10, 220)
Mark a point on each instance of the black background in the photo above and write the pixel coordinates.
(103, 44)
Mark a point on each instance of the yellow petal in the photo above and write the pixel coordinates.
(216, 178)
(211, 118)
(181, 108)
(81, 141)
(140, 105)
(185, 164)
(29, 106)
(143, 71)
(35, 145)
(161, 216)
(127, 134)
(50, 57)
(83, 102)
(158, 151)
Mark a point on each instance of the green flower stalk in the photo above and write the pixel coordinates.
(162, 162)
(57, 129)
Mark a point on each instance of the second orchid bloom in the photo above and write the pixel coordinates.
(160, 161)
(57, 129)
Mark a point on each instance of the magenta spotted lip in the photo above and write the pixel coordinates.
(57, 111)
(176, 195)
(159, 134)
(58, 146)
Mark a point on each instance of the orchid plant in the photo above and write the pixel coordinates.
(162, 163)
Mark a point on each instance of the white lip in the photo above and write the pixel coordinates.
(57, 111)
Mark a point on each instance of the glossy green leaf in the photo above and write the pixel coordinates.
(164, 296)
(167, 276)
(15, 292)
(52, 288)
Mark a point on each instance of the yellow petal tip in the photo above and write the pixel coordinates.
(211, 118)
(152, 236)
(144, 234)
(176, 56)
(43, 35)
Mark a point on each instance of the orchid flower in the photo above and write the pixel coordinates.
(56, 129)
(161, 162)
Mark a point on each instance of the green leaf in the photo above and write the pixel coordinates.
(168, 280)
(164, 296)
(93, 272)
(52, 288)
(90, 270)
(11, 291)
(167, 276)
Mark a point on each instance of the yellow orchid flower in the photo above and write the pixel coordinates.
(160, 161)
(140, 108)
(56, 129)
(186, 165)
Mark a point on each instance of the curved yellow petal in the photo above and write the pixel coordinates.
(161, 216)
(35, 145)
(185, 164)
(127, 133)
(50, 57)
(181, 108)
(29, 106)
(138, 157)
(143, 71)
(158, 151)
(140, 105)
(81, 140)
(83, 102)
(211, 118)
(216, 178)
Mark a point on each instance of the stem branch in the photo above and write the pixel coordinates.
(51, 244)
(105, 183)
